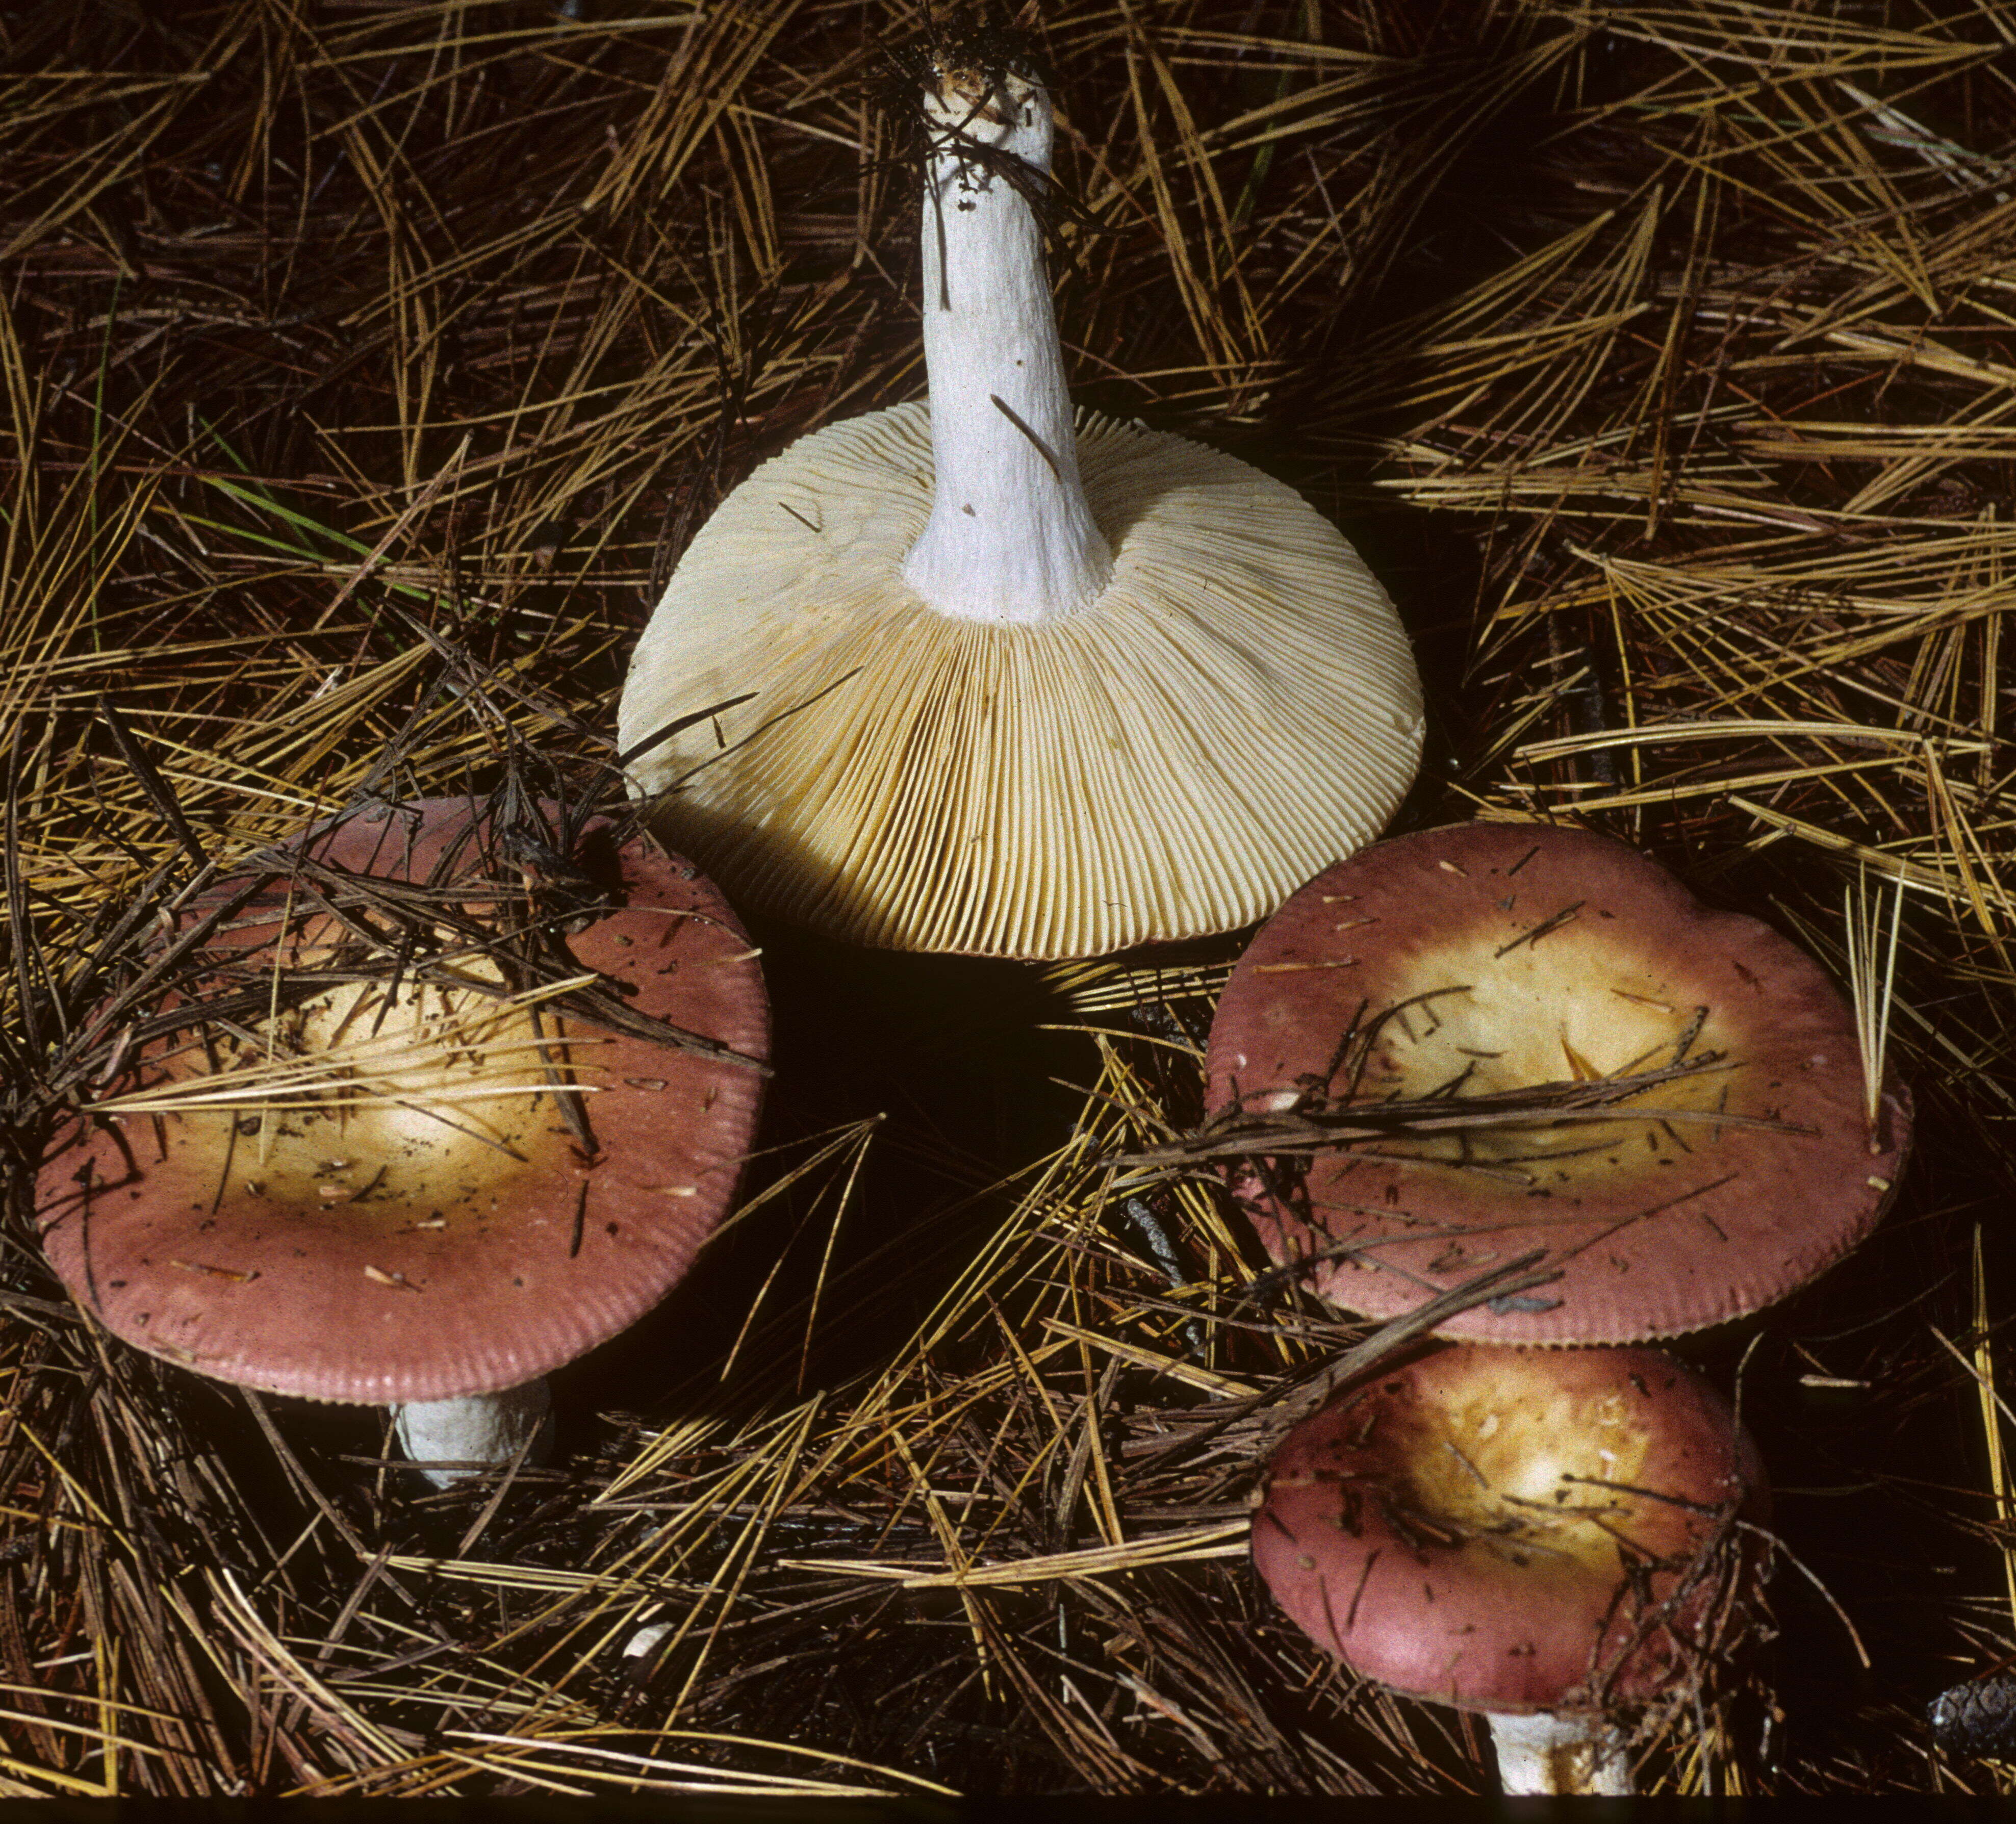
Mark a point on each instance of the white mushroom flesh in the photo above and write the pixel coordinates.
(449, 1440)
(1011, 537)
(1544, 1753)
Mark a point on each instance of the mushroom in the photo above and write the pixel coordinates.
(1015, 685)
(1550, 1537)
(1664, 1101)
(358, 1170)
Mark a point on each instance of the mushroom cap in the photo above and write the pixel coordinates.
(1514, 1530)
(1488, 957)
(1239, 706)
(426, 1239)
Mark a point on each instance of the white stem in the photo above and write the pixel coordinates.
(480, 1432)
(1544, 1753)
(1011, 536)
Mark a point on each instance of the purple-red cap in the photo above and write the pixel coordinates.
(1491, 958)
(1515, 1530)
(427, 1236)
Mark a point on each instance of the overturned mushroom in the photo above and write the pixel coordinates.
(357, 1167)
(1021, 686)
(1665, 1100)
(1550, 1537)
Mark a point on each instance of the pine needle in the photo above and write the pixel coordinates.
(1871, 986)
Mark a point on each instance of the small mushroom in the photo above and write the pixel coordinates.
(1718, 1153)
(1550, 1537)
(400, 1186)
(1015, 684)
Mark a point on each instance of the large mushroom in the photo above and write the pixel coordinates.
(1016, 686)
(1550, 1537)
(357, 1168)
(1665, 1102)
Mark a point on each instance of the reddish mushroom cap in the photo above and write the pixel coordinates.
(413, 1245)
(1491, 958)
(1514, 1530)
